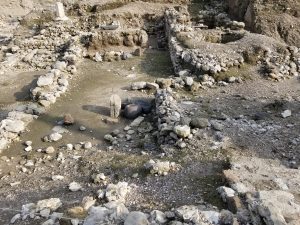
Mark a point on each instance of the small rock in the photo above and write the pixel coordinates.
(217, 126)
(152, 86)
(231, 79)
(98, 178)
(28, 143)
(88, 202)
(138, 85)
(74, 186)
(53, 137)
(286, 113)
(109, 138)
(69, 147)
(57, 177)
(189, 81)
(164, 83)
(44, 81)
(68, 119)
(137, 121)
(51, 203)
(45, 213)
(88, 145)
(182, 131)
(136, 218)
(199, 123)
(117, 192)
(226, 193)
(28, 149)
(158, 216)
(77, 211)
(14, 126)
(50, 150)
(82, 128)
(226, 217)
(15, 218)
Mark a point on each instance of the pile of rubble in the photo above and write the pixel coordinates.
(212, 51)
(269, 189)
(114, 211)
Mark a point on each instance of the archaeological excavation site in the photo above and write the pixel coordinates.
(150, 112)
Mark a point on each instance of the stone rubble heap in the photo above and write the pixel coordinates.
(269, 188)
(15, 123)
(161, 167)
(169, 116)
(55, 82)
(114, 211)
(213, 51)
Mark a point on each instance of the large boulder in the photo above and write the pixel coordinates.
(132, 111)
(14, 126)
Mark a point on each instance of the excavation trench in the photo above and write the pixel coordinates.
(88, 100)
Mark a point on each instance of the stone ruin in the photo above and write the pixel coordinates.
(203, 49)
(60, 12)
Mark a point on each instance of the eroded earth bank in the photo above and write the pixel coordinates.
(150, 112)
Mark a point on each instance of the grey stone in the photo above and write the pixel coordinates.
(286, 113)
(68, 119)
(51, 203)
(189, 81)
(60, 12)
(44, 81)
(117, 192)
(88, 145)
(199, 123)
(14, 126)
(217, 126)
(96, 215)
(53, 137)
(50, 150)
(137, 121)
(74, 186)
(3, 143)
(115, 106)
(158, 216)
(182, 131)
(226, 193)
(226, 217)
(136, 218)
(138, 85)
(132, 111)
(15, 218)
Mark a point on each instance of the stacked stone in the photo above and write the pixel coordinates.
(206, 63)
(113, 210)
(128, 38)
(203, 63)
(55, 82)
(279, 66)
(169, 116)
(214, 17)
(49, 87)
(41, 50)
(211, 58)
(15, 123)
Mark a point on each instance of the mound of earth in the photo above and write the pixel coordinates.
(279, 19)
